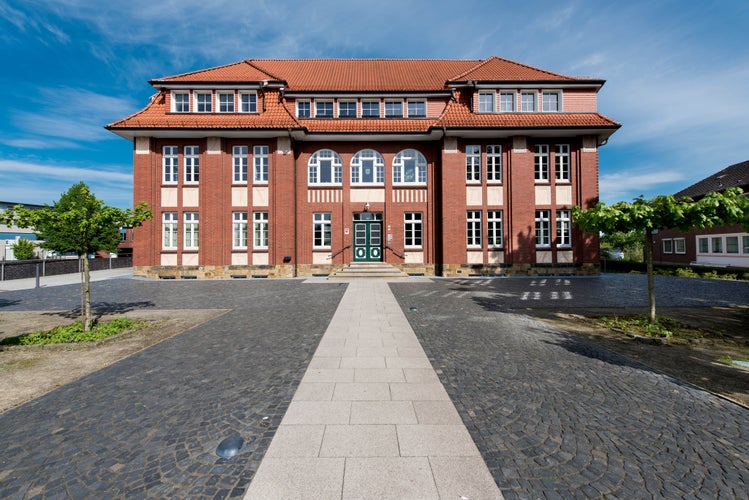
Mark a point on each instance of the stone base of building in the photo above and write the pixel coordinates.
(458, 270)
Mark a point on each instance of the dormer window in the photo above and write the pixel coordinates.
(347, 109)
(370, 109)
(248, 102)
(323, 109)
(181, 102)
(417, 109)
(203, 102)
(528, 101)
(394, 109)
(486, 102)
(225, 102)
(507, 101)
(303, 109)
(551, 101)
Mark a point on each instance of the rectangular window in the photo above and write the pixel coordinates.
(260, 229)
(550, 101)
(494, 163)
(473, 163)
(240, 156)
(323, 109)
(347, 109)
(732, 244)
(473, 229)
(169, 161)
(703, 245)
(417, 109)
(543, 226)
(303, 109)
(528, 101)
(260, 157)
(203, 102)
(321, 230)
(486, 102)
(562, 163)
(370, 109)
(668, 246)
(716, 244)
(394, 109)
(745, 244)
(181, 102)
(507, 102)
(169, 230)
(494, 229)
(541, 163)
(413, 229)
(192, 165)
(247, 102)
(191, 231)
(225, 102)
(680, 246)
(239, 230)
(564, 228)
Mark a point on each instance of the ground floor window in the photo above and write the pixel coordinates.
(169, 230)
(680, 246)
(260, 229)
(191, 230)
(494, 231)
(668, 246)
(321, 230)
(543, 228)
(239, 230)
(473, 228)
(413, 229)
(564, 228)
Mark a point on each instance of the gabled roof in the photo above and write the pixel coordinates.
(241, 71)
(497, 69)
(736, 175)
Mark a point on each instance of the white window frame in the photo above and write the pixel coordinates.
(680, 246)
(564, 228)
(494, 163)
(700, 241)
(473, 164)
(260, 230)
(247, 101)
(473, 229)
(170, 165)
(745, 244)
(495, 235)
(562, 163)
(240, 162)
(324, 159)
(525, 106)
(378, 164)
(200, 105)
(308, 104)
(727, 247)
(416, 102)
(191, 230)
(169, 230)
(260, 159)
(487, 101)
(543, 228)
(239, 230)
(348, 102)
(394, 108)
(503, 108)
(224, 105)
(402, 165)
(322, 230)
(324, 105)
(716, 242)
(176, 105)
(413, 230)
(541, 163)
(191, 160)
(546, 104)
(365, 104)
(667, 246)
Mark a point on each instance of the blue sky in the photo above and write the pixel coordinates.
(676, 73)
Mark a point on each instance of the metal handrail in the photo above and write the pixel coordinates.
(402, 255)
(332, 255)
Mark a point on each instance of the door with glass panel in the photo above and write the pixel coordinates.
(367, 237)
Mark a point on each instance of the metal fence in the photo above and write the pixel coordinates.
(17, 269)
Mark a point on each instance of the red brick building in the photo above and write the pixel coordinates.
(298, 167)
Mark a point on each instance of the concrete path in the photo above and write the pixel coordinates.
(63, 279)
(370, 418)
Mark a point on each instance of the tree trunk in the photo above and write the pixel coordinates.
(648, 254)
(86, 294)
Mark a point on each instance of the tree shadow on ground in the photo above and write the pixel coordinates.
(8, 303)
(100, 308)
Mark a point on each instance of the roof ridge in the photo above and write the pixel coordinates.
(251, 62)
(197, 71)
(151, 102)
(510, 61)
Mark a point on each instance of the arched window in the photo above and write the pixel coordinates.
(367, 167)
(325, 168)
(409, 167)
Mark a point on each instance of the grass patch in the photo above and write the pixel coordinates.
(728, 360)
(13, 365)
(663, 327)
(67, 334)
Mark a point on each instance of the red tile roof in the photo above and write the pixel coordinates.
(498, 69)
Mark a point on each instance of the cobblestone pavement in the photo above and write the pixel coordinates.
(148, 426)
(556, 417)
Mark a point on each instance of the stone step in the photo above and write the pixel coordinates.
(368, 270)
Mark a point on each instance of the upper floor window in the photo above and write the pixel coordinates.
(562, 162)
(394, 109)
(507, 102)
(347, 109)
(181, 102)
(170, 166)
(486, 102)
(239, 160)
(203, 102)
(192, 164)
(473, 163)
(528, 101)
(409, 167)
(367, 167)
(550, 101)
(417, 109)
(303, 109)
(248, 102)
(323, 109)
(370, 109)
(494, 163)
(325, 167)
(541, 163)
(225, 102)
(260, 156)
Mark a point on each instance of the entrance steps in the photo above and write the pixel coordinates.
(368, 270)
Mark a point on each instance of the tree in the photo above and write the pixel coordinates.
(23, 249)
(79, 222)
(663, 212)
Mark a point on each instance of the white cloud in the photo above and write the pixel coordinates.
(66, 172)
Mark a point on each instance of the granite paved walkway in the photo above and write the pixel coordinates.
(370, 418)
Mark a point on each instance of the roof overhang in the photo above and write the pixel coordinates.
(603, 133)
(172, 133)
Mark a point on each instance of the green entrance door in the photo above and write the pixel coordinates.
(367, 237)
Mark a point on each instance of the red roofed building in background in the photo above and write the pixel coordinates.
(287, 168)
